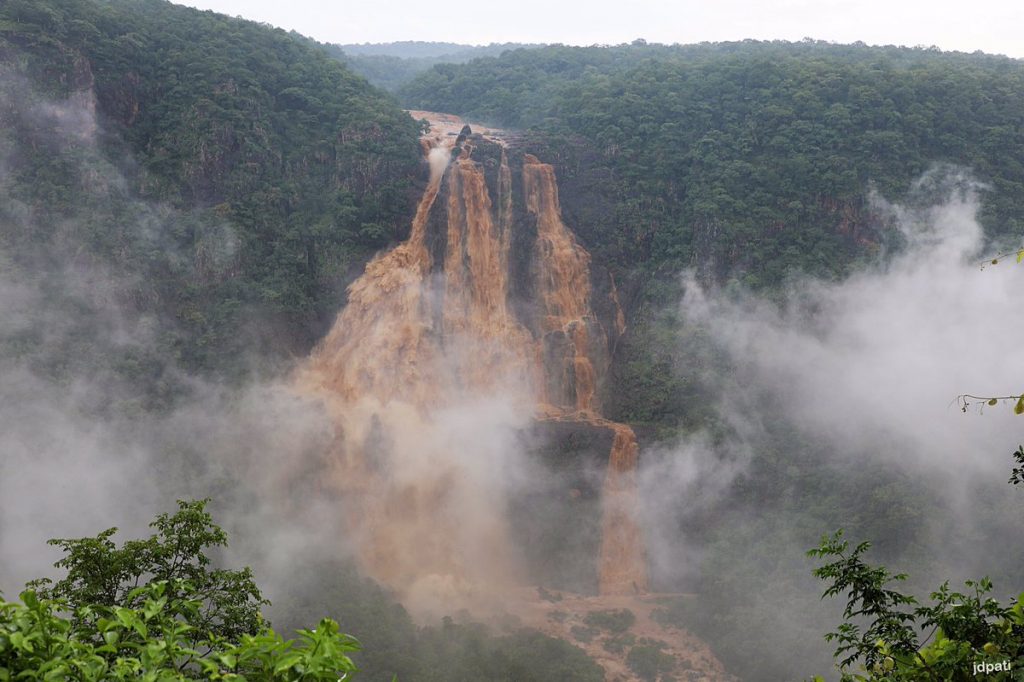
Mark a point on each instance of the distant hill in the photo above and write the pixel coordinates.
(406, 49)
(392, 65)
(416, 49)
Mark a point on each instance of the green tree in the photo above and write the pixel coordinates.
(156, 609)
(887, 635)
(154, 641)
(99, 573)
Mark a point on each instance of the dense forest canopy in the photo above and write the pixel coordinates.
(749, 161)
(276, 170)
(760, 143)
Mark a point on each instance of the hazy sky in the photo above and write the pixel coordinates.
(995, 26)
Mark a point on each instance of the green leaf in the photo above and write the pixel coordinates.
(141, 628)
(136, 592)
(126, 616)
(153, 607)
(993, 401)
(286, 662)
(1019, 407)
(29, 598)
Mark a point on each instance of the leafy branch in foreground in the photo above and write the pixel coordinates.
(892, 642)
(867, 598)
(155, 609)
(154, 642)
(966, 400)
(999, 258)
(895, 638)
(100, 573)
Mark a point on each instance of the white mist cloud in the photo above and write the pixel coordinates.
(61, 475)
(466, 463)
(870, 367)
(862, 376)
(676, 481)
(77, 454)
(875, 362)
(73, 120)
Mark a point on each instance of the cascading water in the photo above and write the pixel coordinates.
(430, 331)
(565, 291)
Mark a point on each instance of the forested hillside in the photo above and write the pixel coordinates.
(749, 161)
(750, 137)
(232, 191)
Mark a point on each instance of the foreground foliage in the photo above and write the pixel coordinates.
(159, 609)
(100, 573)
(154, 609)
(888, 635)
(154, 641)
(891, 636)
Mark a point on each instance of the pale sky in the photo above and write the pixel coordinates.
(995, 26)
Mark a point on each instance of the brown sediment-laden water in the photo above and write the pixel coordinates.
(432, 345)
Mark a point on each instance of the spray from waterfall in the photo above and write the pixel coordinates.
(430, 372)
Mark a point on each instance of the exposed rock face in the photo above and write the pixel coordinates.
(488, 300)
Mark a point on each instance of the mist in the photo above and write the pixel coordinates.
(100, 424)
(856, 384)
(875, 363)
(413, 491)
